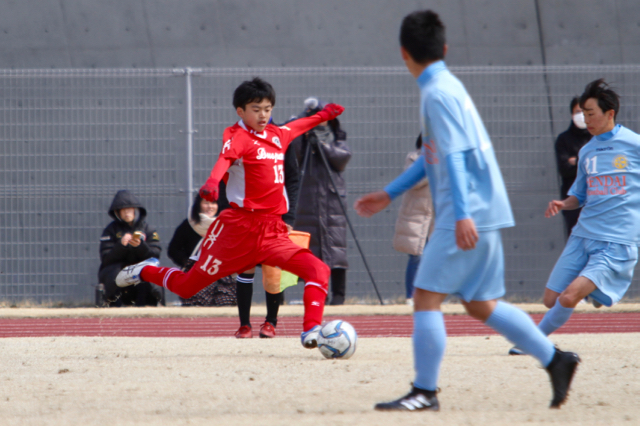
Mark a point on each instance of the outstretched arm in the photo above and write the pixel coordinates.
(209, 190)
(372, 203)
(555, 206)
(303, 125)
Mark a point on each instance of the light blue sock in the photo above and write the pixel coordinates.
(520, 329)
(555, 318)
(429, 342)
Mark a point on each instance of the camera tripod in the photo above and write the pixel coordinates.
(305, 163)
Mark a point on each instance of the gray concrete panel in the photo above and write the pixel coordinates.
(32, 24)
(581, 31)
(28, 57)
(118, 57)
(240, 33)
(105, 24)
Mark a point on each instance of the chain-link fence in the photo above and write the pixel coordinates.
(72, 138)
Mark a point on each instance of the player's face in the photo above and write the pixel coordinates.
(598, 122)
(256, 114)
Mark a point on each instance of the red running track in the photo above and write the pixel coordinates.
(367, 326)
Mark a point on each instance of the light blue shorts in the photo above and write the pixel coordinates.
(474, 275)
(608, 265)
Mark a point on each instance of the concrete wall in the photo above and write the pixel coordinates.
(275, 33)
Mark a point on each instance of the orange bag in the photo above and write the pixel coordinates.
(272, 277)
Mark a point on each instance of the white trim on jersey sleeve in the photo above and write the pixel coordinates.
(236, 183)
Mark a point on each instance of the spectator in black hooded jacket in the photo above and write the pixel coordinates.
(567, 147)
(126, 241)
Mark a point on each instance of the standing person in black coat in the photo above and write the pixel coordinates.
(126, 241)
(567, 146)
(319, 212)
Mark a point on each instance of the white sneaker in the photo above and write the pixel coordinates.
(409, 302)
(130, 275)
(309, 338)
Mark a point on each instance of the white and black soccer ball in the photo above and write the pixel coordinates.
(337, 339)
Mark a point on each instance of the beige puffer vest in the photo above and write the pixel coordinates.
(415, 218)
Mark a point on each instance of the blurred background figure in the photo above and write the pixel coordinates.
(189, 233)
(319, 212)
(568, 146)
(414, 223)
(126, 241)
(184, 249)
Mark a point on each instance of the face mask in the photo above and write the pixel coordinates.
(578, 120)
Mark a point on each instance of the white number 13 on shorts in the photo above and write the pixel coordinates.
(213, 269)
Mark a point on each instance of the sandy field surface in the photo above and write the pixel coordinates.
(224, 381)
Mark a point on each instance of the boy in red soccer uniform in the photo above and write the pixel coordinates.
(252, 231)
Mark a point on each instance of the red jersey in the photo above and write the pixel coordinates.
(255, 180)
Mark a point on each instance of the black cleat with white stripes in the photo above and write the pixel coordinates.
(416, 400)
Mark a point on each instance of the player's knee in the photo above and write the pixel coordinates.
(318, 272)
(549, 298)
(549, 302)
(569, 300)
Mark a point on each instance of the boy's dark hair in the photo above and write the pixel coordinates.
(422, 36)
(253, 91)
(601, 92)
(575, 101)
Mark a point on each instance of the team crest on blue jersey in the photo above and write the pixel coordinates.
(620, 162)
(276, 140)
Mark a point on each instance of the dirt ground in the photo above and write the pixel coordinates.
(224, 381)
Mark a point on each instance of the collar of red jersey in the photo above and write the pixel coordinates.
(262, 135)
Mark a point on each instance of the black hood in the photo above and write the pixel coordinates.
(124, 199)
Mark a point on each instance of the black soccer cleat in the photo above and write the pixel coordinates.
(416, 400)
(561, 370)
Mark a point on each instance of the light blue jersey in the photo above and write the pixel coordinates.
(451, 124)
(608, 188)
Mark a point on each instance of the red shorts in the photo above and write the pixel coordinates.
(239, 240)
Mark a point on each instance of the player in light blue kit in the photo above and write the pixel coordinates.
(600, 255)
(464, 256)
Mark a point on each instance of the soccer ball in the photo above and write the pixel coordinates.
(337, 339)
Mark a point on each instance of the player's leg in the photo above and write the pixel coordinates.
(564, 305)
(315, 274)
(605, 278)
(273, 302)
(429, 343)
(519, 328)
(226, 248)
(568, 266)
(244, 293)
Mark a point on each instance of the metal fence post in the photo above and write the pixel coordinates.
(189, 72)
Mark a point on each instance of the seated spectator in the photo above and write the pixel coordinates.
(184, 249)
(126, 241)
(189, 233)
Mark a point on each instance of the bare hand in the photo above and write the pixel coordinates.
(554, 207)
(572, 160)
(289, 227)
(466, 234)
(135, 242)
(372, 203)
(126, 238)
